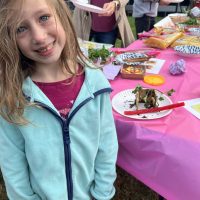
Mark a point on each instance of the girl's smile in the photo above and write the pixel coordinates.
(46, 50)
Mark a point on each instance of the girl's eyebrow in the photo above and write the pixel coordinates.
(42, 11)
(38, 12)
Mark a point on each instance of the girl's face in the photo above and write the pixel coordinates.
(40, 35)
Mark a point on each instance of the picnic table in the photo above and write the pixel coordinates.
(163, 153)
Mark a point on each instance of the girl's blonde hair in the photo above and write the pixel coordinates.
(14, 67)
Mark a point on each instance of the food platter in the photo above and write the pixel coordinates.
(131, 58)
(122, 102)
(188, 51)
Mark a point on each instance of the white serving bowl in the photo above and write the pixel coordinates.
(194, 31)
(188, 51)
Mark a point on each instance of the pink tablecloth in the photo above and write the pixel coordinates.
(164, 153)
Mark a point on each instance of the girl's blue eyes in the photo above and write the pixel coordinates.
(44, 18)
(22, 29)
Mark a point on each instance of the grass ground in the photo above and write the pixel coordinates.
(132, 24)
(2, 189)
(127, 187)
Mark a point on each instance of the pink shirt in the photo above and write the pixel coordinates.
(62, 94)
(102, 24)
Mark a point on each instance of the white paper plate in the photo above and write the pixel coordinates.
(188, 51)
(122, 101)
(177, 15)
(175, 1)
(165, 22)
(88, 7)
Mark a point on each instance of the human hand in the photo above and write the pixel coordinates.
(109, 9)
(164, 2)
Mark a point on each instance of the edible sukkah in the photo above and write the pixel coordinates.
(146, 96)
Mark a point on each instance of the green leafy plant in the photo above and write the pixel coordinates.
(102, 54)
(191, 21)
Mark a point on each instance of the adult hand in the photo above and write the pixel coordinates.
(165, 2)
(109, 9)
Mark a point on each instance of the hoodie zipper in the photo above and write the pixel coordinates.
(67, 150)
(68, 168)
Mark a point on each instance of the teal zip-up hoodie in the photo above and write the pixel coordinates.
(56, 159)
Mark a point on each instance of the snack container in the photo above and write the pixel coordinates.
(133, 71)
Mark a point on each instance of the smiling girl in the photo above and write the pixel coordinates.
(57, 134)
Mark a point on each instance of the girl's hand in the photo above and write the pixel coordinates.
(109, 9)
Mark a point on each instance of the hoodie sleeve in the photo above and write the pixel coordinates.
(13, 163)
(105, 163)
